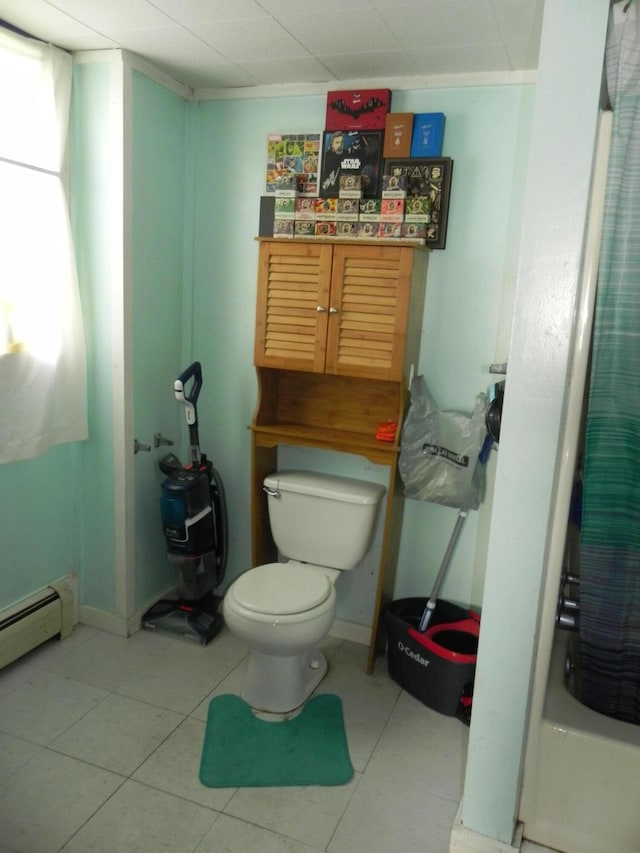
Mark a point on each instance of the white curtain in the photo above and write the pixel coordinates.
(42, 351)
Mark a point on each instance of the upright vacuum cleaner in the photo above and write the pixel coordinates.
(194, 521)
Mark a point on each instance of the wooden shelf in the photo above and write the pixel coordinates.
(338, 329)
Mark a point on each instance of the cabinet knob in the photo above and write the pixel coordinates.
(320, 309)
(333, 310)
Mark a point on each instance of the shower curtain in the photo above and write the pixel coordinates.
(610, 528)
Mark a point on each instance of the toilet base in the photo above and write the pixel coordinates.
(280, 684)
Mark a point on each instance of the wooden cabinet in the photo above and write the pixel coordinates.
(339, 308)
(337, 328)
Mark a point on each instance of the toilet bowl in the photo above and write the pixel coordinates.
(284, 610)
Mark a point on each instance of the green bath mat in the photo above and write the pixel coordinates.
(241, 750)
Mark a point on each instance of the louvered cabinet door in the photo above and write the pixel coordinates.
(368, 312)
(292, 305)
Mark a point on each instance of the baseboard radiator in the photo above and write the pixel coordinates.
(34, 620)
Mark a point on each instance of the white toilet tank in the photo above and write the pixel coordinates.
(322, 519)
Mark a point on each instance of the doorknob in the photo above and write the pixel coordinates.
(159, 439)
(140, 448)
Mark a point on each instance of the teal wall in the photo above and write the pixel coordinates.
(39, 506)
(94, 209)
(198, 173)
(464, 329)
(160, 277)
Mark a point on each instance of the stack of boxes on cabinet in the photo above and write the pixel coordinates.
(371, 174)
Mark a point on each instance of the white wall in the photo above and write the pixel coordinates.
(556, 199)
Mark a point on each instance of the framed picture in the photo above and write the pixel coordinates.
(428, 177)
(293, 162)
(352, 152)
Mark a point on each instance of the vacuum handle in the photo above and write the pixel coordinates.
(189, 399)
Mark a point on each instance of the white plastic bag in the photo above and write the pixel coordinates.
(439, 451)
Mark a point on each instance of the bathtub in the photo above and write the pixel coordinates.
(580, 789)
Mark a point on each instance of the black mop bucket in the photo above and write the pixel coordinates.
(438, 666)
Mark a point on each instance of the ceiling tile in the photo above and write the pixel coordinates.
(284, 9)
(321, 34)
(274, 71)
(357, 66)
(253, 39)
(206, 11)
(438, 24)
(449, 60)
(43, 21)
(114, 15)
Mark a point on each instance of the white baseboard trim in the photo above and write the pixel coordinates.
(104, 621)
(465, 840)
(351, 631)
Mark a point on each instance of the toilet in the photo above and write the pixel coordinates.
(322, 525)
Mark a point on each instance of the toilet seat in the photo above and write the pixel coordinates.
(282, 589)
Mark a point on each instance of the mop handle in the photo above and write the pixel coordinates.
(431, 603)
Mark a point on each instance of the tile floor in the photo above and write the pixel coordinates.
(100, 741)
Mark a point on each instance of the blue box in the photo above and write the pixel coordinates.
(428, 135)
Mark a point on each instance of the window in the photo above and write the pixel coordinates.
(42, 354)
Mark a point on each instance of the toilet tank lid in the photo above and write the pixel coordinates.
(329, 486)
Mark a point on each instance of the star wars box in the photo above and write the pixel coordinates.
(357, 109)
(346, 230)
(416, 231)
(348, 209)
(326, 228)
(356, 153)
(389, 230)
(392, 209)
(417, 208)
(398, 130)
(305, 209)
(370, 210)
(367, 230)
(285, 207)
(283, 228)
(428, 135)
(350, 186)
(394, 186)
(326, 208)
(304, 228)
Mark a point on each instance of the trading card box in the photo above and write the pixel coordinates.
(326, 228)
(326, 208)
(293, 156)
(346, 230)
(283, 228)
(394, 186)
(350, 186)
(356, 153)
(389, 230)
(392, 209)
(304, 228)
(417, 208)
(367, 230)
(305, 208)
(428, 135)
(348, 208)
(414, 231)
(284, 207)
(370, 210)
(398, 131)
(357, 109)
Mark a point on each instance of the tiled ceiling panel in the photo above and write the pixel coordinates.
(238, 43)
